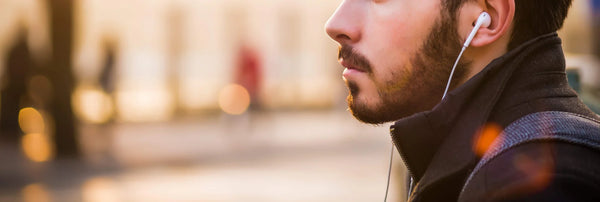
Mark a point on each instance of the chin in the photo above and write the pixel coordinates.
(362, 106)
(377, 110)
(362, 111)
(373, 106)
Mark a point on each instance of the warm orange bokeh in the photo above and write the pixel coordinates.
(36, 144)
(99, 189)
(31, 121)
(485, 138)
(234, 99)
(37, 147)
(35, 193)
(92, 104)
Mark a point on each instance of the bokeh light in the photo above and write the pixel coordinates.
(234, 99)
(92, 104)
(485, 138)
(37, 147)
(99, 189)
(36, 193)
(31, 121)
(136, 103)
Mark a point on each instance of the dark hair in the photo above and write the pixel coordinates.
(536, 17)
(532, 17)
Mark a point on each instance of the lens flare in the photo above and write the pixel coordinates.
(234, 99)
(485, 138)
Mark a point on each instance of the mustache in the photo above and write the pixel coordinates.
(352, 57)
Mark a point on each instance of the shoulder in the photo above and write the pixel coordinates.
(546, 156)
(539, 171)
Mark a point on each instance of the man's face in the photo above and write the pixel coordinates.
(398, 55)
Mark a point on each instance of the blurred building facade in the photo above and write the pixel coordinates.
(154, 61)
(169, 57)
(178, 55)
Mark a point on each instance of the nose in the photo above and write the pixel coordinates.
(344, 26)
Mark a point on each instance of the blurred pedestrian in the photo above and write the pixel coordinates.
(14, 89)
(249, 73)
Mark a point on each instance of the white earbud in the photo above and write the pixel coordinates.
(484, 20)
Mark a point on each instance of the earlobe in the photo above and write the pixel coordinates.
(502, 14)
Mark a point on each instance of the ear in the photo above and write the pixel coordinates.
(502, 13)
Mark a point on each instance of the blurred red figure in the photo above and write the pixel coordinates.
(248, 73)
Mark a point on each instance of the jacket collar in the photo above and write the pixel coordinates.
(438, 143)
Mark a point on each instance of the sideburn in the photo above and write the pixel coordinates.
(420, 88)
(444, 51)
(428, 79)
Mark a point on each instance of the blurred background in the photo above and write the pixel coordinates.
(197, 100)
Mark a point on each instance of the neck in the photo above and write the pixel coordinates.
(480, 57)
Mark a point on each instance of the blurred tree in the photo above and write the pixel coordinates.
(61, 76)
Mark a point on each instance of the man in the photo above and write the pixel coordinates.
(398, 56)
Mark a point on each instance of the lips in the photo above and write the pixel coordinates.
(350, 66)
(352, 60)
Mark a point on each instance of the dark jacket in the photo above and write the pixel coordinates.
(438, 145)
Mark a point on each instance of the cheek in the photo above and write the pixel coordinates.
(391, 47)
(394, 33)
(394, 79)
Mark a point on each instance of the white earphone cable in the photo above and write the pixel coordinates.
(452, 72)
(389, 173)
(445, 92)
(485, 20)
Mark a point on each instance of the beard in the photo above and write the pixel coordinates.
(409, 91)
